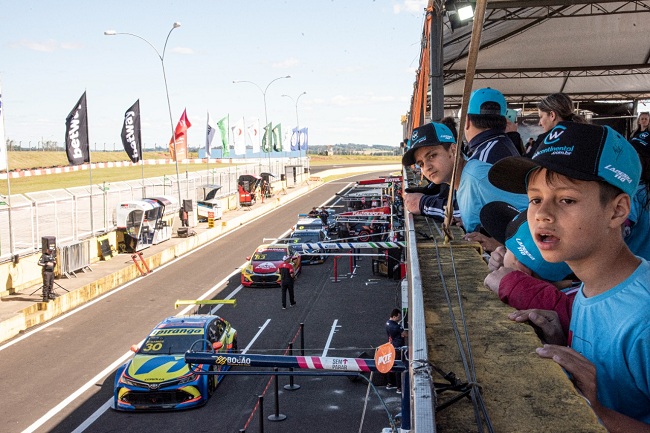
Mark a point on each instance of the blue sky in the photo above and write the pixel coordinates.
(356, 60)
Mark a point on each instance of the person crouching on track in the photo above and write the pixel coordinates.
(287, 277)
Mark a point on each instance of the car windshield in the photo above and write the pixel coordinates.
(315, 224)
(301, 238)
(172, 341)
(270, 255)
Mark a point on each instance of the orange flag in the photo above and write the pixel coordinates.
(180, 152)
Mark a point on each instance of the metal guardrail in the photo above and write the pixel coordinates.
(74, 257)
(423, 418)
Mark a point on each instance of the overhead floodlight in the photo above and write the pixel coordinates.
(459, 13)
(465, 12)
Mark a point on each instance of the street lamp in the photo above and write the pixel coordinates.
(169, 107)
(266, 117)
(297, 121)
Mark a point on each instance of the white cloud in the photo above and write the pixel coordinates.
(183, 50)
(410, 6)
(285, 64)
(342, 100)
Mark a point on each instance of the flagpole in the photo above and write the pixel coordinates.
(169, 108)
(207, 146)
(295, 101)
(90, 172)
(6, 161)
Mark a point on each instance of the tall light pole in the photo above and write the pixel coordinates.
(266, 117)
(295, 101)
(169, 107)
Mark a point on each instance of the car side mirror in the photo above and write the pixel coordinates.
(135, 348)
(217, 345)
(248, 259)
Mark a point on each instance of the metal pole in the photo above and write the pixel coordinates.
(302, 339)
(266, 118)
(169, 108)
(297, 119)
(260, 401)
(291, 386)
(277, 416)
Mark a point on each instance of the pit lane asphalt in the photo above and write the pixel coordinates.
(51, 365)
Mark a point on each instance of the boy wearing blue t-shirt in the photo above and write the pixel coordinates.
(579, 183)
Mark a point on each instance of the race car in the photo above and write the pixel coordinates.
(157, 377)
(262, 268)
(310, 256)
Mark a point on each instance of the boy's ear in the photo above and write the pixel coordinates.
(621, 206)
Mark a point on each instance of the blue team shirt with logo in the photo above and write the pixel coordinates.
(475, 191)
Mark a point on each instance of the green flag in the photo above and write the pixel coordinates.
(277, 138)
(223, 128)
(267, 139)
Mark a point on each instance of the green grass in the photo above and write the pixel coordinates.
(41, 159)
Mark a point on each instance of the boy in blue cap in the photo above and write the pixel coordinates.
(579, 182)
(434, 150)
(485, 127)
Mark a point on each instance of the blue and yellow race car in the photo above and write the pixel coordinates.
(157, 377)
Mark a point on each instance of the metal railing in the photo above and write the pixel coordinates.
(66, 213)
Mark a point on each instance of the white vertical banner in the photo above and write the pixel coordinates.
(254, 134)
(209, 135)
(3, 145)
(239, 137)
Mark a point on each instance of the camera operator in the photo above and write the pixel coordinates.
(48, 262)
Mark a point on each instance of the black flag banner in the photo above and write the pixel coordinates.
(131, 138)
(76, 133)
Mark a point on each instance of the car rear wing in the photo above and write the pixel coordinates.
(179, 302)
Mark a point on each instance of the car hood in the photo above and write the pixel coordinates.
(159, 368)
(266, 267)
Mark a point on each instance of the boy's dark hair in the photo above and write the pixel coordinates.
(607, 191)
(488, 121)
(450, 122)
(395, 312)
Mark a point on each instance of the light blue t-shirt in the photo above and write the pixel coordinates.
(637, 234)
(612, 330)
(475, 191)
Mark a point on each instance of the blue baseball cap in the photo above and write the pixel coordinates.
(510, 227)
(431, 134)
(579, 151)
(511, 115)
(480, 97)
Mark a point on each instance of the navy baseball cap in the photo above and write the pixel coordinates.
(579, 151)
(642, 143)
(510, 227)
(431, 134)
(480, 96)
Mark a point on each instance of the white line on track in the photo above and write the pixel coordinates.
(256, 336)
(52, 412)
(122, 359)
(329, 338)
